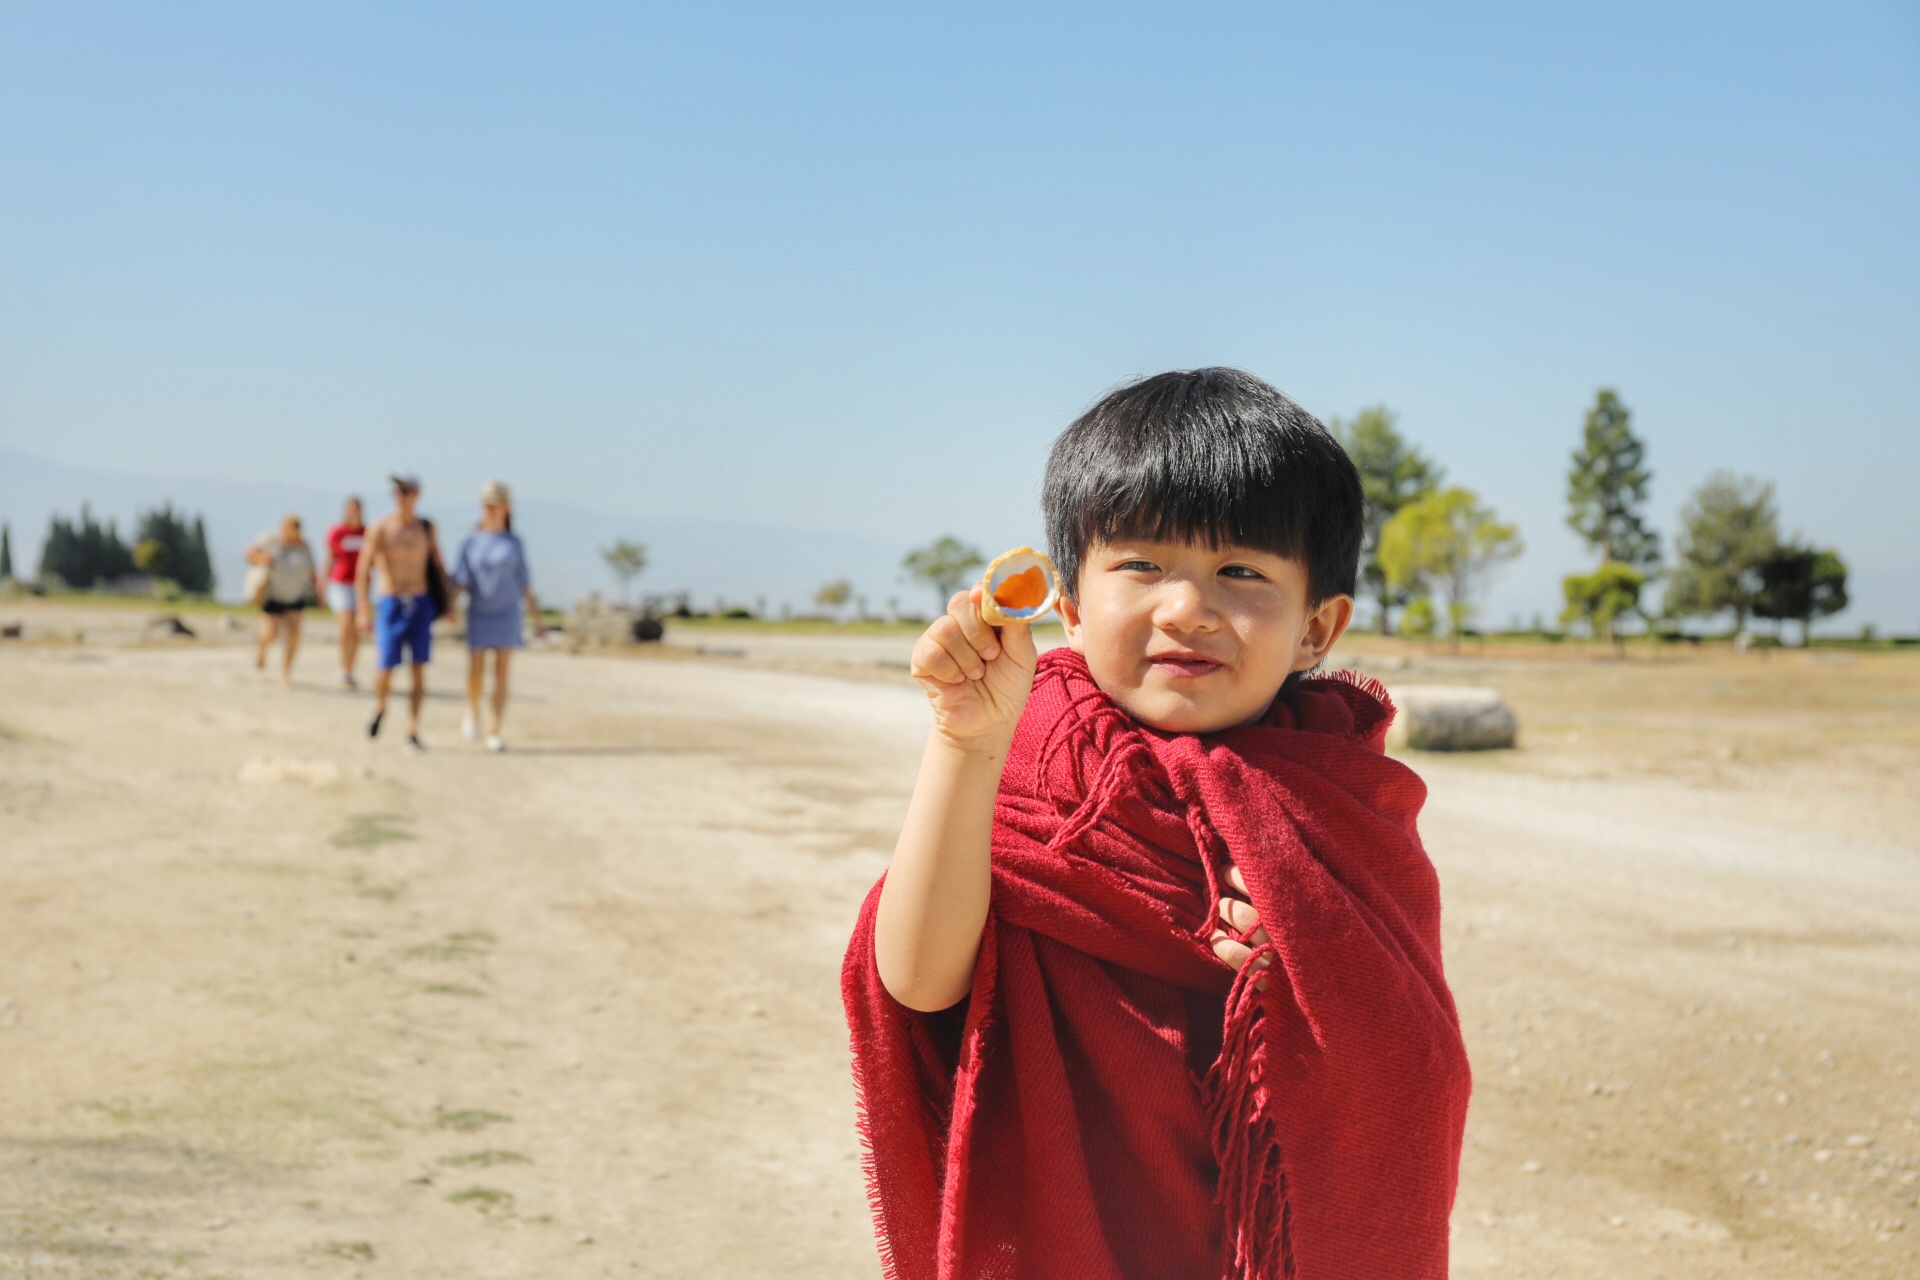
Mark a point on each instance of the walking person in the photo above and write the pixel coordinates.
(491, 569)
(344, 541)
(283, 583)
(401, 548)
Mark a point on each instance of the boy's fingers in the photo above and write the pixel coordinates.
(1017, 639)
(964, 609)
(936, 667)
(1233, 953)
(1240, 916)
(947, 634)
(932, 661)
(1238, 881)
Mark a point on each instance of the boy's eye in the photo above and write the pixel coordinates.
(1241, 571)
(1137, 566)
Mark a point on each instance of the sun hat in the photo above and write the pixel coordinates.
(494, 491)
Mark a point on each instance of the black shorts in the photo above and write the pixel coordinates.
(275, 607)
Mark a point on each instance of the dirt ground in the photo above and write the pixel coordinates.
(276, 1000)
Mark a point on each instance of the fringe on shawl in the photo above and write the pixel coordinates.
(1253, 1173)
(1364, 683)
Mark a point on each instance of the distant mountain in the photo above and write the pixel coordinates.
(756, 565)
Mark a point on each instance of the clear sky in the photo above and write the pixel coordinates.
(852, 268)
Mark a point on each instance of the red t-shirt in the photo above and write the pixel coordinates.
(345, 544)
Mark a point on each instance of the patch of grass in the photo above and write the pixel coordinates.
(379, 892)
(454, 989)
(485, 1159)
(455, 946)
(126, 1111)
(485, 1199)
(72, 1247)
(351, 1250)
(370, 830)
(468, 1121)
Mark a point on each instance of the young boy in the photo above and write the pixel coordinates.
(1152, 988)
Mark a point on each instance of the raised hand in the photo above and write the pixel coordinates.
(976, 676)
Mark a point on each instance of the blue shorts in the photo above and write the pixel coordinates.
(403, 621)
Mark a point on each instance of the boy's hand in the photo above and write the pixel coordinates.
(976, 677)
(1240, 917)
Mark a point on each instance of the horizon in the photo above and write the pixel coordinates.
(850, 272)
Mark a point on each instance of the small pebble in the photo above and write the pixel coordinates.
(1823, 1155)
(585, 1238)
(1532, 1166)
(1860, 1140)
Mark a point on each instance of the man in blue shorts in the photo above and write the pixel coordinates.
(400, 547)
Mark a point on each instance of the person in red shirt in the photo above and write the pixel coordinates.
(344, 541)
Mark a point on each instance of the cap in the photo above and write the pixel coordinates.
(409, 480)
(494, 491)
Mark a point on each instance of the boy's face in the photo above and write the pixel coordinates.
(1192, 639)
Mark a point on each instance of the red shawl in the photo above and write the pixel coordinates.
(1111, 1102)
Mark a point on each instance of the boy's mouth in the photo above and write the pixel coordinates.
(1183, 665)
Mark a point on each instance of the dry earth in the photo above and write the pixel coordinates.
(275, 1000)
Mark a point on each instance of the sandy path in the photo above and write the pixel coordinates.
(363, 1013)
(251, 1022)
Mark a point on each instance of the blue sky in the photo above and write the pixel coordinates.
(851, 268)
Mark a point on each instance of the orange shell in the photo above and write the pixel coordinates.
(1019, 586)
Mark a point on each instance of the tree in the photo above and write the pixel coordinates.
(1392, 474)
(834, 595)
(6, 551)
(165, 545)
(200, 562)
(1603, 596)
(1607, 486)
(84, 554)
(944, 564)
(627, 561)
(1799, 583)
(1727, 528)
(1450, 540)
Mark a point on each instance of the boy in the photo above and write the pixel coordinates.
(1152, 989)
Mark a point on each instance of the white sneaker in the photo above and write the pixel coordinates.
(496, 743)
(347, 681)
(469, 727)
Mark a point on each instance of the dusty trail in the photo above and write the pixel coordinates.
(450, 1013)
(281, 1002)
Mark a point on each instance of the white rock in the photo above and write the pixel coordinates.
(1440, 717)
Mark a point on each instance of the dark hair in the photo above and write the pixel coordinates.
(1205, 455)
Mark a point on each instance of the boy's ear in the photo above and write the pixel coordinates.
(1069, 610)
(1326, 623)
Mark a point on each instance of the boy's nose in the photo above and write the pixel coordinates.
(1181, 605)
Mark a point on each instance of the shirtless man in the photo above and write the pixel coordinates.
(399, 546)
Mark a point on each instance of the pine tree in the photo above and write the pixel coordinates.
(1607, 486)
(199, 564)
(80, 556)
(6, 551)
(178, 549)
(1392, 475)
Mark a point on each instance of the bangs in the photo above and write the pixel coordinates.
(1214, 457)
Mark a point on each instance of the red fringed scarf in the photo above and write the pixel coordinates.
(1111, 1102)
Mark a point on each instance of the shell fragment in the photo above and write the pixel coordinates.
(1020, 586)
